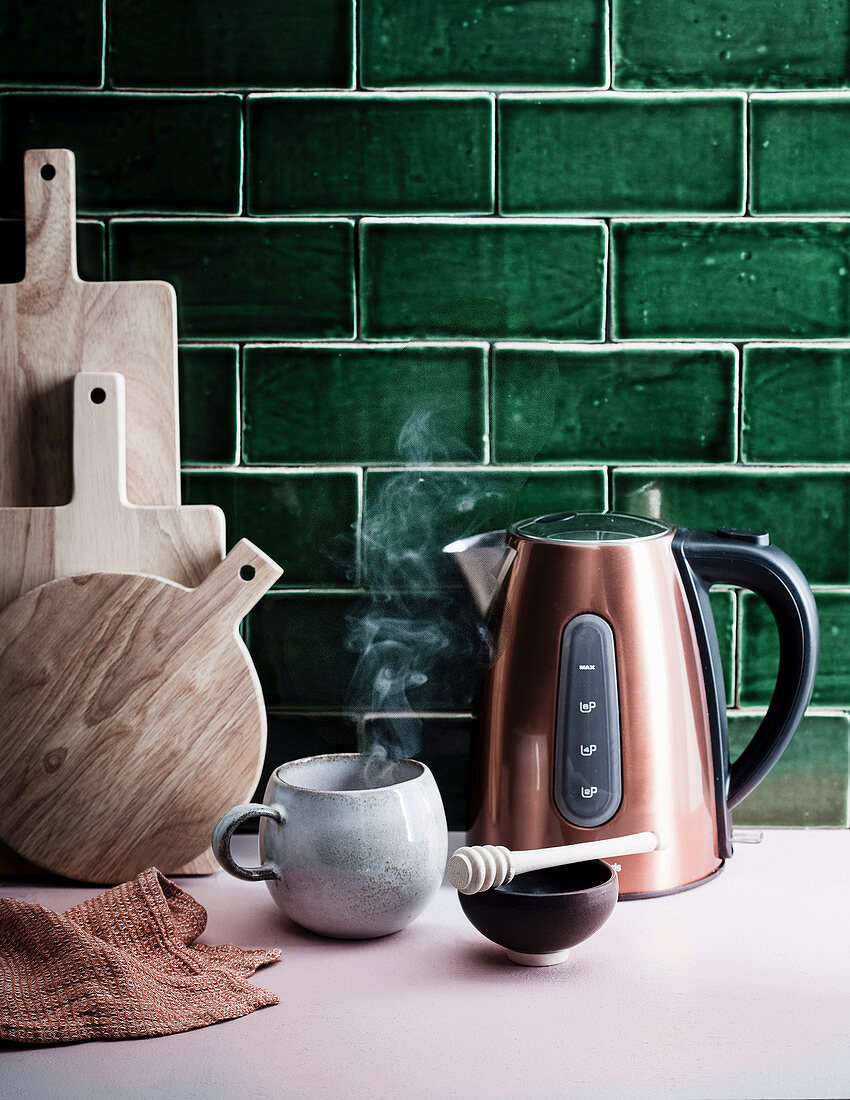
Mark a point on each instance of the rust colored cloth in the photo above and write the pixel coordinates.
(122, 965)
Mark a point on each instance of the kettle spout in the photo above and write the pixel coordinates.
(484, 561)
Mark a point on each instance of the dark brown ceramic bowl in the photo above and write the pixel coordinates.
(539, 916)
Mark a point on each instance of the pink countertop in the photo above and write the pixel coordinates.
(738, 989)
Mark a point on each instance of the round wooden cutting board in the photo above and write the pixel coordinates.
(131, 717)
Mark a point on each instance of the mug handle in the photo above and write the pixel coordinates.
(226, 826)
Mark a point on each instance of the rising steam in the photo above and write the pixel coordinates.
(411, 632)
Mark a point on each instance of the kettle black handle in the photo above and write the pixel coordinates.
(747, 559)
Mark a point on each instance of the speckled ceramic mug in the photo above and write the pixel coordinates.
(351, 846)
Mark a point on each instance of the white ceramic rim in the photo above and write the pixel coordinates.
(339, 757)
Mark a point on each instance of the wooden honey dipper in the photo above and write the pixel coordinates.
(485, 866)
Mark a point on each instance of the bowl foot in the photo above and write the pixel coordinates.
(549, 959)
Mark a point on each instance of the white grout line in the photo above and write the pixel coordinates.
(808, 345)
(735, 469)
(495, 180)
(370, 345)
(294, 470)
(357, 280)
(608, 285)
(238, 219)
(836, 95)
(737, 646)
(359, 96)
(240, 402)
(738, 407)
(812, 711)
(243, 156)
(359, 718)
(607, 348)
(485, 219)
(477, 467)
(317, 590)
(355, 45)
(359, 573)
(685, 469)
(104, 52)
(609, 44)
(734, 219)
(489, 390)
(745, 198)
(492, 86)
(606, 95)
(77, 92)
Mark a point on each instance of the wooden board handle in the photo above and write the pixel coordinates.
(50, 209)
(234, 586)
(100, 440)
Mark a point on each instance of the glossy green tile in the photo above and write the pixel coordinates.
(301, 519)
(800, 155)
(297, 644)
(760, 651)
(730, 280)
(807, 512)
(370, 154)
(809, 785)
(134, 153)
(42, 42)
(796, 404)
(411, 514)
(351, 403)
(245, 279)
(209, 405)
(723, 612)
(91, 259)
(310, 652)
(621, 154)
(614, 403)
(207, 44)
(487, 278)
(445, 746)
(726, 44)
(472, 43)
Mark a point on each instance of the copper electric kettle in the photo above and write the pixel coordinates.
(604, 712)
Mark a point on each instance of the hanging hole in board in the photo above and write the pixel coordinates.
(47, 171)
(247, 572)
(98, 395)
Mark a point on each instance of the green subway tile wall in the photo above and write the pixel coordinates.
(473, 43)
(349, 402)
(208, 389)
(211, 44)
(444, 264)
(370, 154)
(800, 155)
(621, 154)
(134, 153)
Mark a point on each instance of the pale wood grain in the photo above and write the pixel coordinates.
(131, 717)
(99, 529)
(53, 325)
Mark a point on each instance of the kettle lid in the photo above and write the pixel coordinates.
(590, 527)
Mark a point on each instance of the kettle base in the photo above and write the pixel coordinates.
(675, 889)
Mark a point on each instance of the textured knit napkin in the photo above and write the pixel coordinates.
(122, 965)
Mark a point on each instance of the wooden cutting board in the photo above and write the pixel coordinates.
(53, 325)
(131, 717)
(99, 530)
